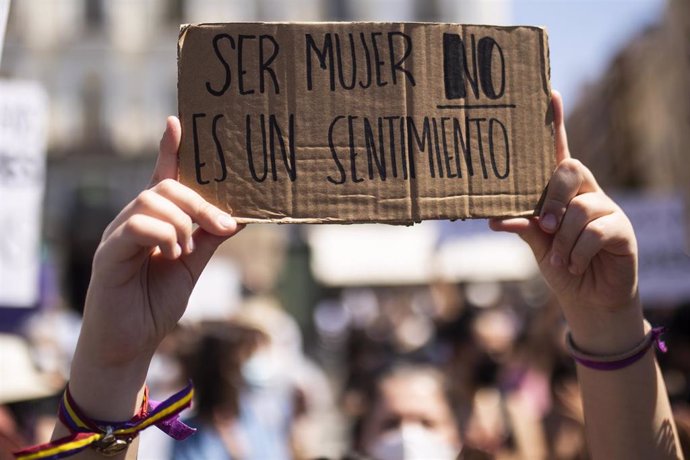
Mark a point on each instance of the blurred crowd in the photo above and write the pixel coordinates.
(285, 367)
(471, 369)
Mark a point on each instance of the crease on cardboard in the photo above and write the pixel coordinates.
(412, 210)
(291, 100)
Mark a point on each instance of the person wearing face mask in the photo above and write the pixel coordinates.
(151, 256)
(251, 401)
(241, 409)
(281, 381)
(411, 416)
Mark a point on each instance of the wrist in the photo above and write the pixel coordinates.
(618, 361)
(606, 331)
(107, 391)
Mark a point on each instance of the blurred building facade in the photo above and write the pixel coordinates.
(110, 66)
(632, 127)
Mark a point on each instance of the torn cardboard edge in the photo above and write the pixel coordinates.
(278, 127)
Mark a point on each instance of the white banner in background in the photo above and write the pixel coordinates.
(23, 135)
(372, 254)
(659, 227)
(4, 12)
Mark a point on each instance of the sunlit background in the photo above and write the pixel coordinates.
(99, 77)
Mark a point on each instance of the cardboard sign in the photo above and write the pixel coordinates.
(365, 122)
(23, 137)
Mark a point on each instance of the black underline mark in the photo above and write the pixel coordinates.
(477, 106)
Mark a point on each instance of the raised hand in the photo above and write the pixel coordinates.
(584, 244)
(144, 271)
(587, 252)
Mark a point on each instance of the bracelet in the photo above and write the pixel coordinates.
(111, 438)
(617, 361)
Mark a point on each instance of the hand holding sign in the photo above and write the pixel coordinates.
(143, 274)
(586, 249)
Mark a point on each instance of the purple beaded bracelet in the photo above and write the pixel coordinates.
(618, 361)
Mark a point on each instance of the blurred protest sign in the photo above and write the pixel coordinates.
(23, 134)
(4, 13)
(659, 227)
(472, 252)
(373, 255)
(686, 200)
(365, 122)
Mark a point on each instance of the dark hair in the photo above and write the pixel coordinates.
(213, 363)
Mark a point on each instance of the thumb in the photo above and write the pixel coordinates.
(562, 150)
(205, 245)
(528, 230)
(166, 164)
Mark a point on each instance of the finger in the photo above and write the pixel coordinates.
(528, 230)
(582, 210)
(141, 234)
(604, 233)
(152, 204)
(205, 246)
(166, 164)
(562, 150)
(570, 179)
(209, 217)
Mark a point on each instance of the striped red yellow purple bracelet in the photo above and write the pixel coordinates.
(111, 438)
(621, 360)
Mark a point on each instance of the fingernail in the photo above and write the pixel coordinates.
(573, 270)
(190, 244)
(177, 250)
(556, 260)
(548, 222)
(226, 221)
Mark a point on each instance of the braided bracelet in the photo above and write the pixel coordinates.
(111, 438)
(620, 360)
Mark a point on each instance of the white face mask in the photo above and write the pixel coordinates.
(261, 369)
(412, 443)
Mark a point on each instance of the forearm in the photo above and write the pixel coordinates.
(627, 412)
